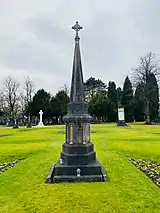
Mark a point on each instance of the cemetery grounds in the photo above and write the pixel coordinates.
(26, 156)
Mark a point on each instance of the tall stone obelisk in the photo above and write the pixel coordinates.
(78, 159)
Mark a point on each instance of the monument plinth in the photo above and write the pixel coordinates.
(121, 117)
(40, 124)
(78, 160)
(29, 124)
(15, 125)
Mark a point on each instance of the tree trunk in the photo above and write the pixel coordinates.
(147, 113)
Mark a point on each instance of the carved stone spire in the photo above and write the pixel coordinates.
(77, 85)
(77, 28)
(78, 160)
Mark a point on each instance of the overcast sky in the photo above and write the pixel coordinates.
(36, 38)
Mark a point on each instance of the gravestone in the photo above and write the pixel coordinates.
(29, 125)
(121, 117)
(8, 122)
(78, 160)
(40, 121)
(15, 125)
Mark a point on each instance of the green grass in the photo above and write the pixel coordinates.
(23, 188)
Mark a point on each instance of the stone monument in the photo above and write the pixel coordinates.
(29, 124)
(78, 160)
(8, 122)
(15, 125)
(121, 117)
(40, 121)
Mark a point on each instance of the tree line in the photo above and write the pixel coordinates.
(139, 97)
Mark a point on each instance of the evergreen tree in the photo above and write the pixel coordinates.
(1, 113)
(153, 97)
(119, 96)
(41, 101)
(139, 103)
(92, 86)
(128, 100)
(58, 104)
(98, 106)
(54, 108)
(148, 66)
(63, 100)
(112, 99)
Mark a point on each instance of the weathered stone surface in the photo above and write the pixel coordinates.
(93, 172)
(78, 159)
(122, 123)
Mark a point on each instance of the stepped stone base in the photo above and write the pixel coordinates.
(40, 124)
(29, 125)
(68, 173)
(121, 123)
(15, 126)
(78, 163)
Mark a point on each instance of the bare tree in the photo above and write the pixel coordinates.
(10, 92)
(2, 102)
(148, 65)
(29, 90)
(22, 103)
(65, 88)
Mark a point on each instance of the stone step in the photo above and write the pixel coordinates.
(86, 178)
(78, 159)
(77, 148)
(94, 169)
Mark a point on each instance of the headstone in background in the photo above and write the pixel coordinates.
(15, 125)
(40, 121)
(121, 117)
(29, 125)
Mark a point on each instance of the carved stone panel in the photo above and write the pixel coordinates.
(67, 133)
(71, 134)
(77, 108)
(87, 132)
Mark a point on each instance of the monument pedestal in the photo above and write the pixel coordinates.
(29, 125)
(121, 119)
(40, 124)
(121, 123)
(78, 163)
(15, 126)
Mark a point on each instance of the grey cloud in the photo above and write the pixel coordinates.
(47, 30)
(28, 56)
(39, 39)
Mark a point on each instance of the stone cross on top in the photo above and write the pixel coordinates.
(41, 112)
(40, 121)
(77, 28)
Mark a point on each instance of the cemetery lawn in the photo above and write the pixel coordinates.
(23, 187)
